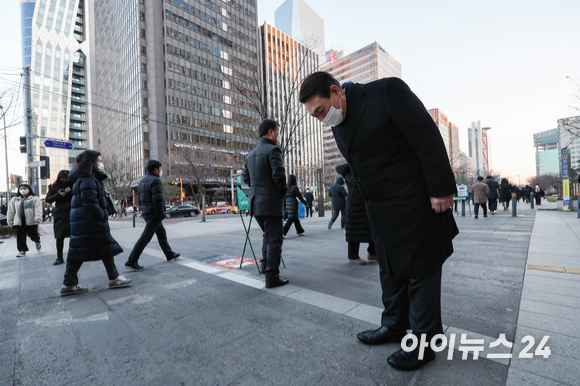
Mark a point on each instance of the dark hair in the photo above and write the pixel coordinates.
(30, 191)
(317, 83)
(266, 125)
(504, 181)
(490, 177)
(61, 174)
(86, 161)
(291, 180)
(152, 165)
(480, 178)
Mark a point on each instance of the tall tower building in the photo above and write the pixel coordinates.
(454, 151)
(478, 142)
(285, 63)
(164, 71)
(548, 152)
(298, 20)
(442, 123)
(57, 104)
(333, 55)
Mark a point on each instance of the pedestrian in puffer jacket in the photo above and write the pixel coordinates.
(356, 222)
(292, 206)
(60, 192)
(24, 215)
(91, 238)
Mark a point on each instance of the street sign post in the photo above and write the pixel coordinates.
(65, 145)
(36, 164)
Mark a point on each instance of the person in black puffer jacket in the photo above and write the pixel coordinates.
(152, 203)
(338, 204)
(292, 206)
(61, 194)
(505, 193)
(91, 238)
(356, 222)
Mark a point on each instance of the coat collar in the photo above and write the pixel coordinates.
(267, 141)
(355, 108)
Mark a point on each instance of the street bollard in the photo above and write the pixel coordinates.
(514, 205)
(578, 203)
(532, 194)
(134, 209)
(463, 208)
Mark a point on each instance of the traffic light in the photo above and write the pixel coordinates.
(23, 144)
(45, 170)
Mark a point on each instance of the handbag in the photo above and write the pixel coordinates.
(111, 206)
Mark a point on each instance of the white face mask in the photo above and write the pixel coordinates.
(160, 172)
(334, 116)
(101, 167)
(23, 192)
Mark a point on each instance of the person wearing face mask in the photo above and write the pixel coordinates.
(91, 238)
(265, 175)
(309, 197)
(401, 169)
(60, 193)
(152, 203)
(25, 214)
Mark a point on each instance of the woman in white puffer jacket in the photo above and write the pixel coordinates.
(24, 214)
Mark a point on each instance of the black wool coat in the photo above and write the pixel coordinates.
(399, 161)
(91, 238)
(356, 221)
(291, 203)
(61, 214)
(493, 189)
(151, 198)
(309, 197)
(266, 177)
(505, 192)
(338, 194)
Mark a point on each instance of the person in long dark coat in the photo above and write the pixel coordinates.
(60, 193)
(292, 206)
(505, 193)
(91, 238)
(402, 170)
(338, 204)
(526, 191)
(493, 194)
(309, 197)
(357, 225)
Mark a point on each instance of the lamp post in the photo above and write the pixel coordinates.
(6, 152)
(519, 181)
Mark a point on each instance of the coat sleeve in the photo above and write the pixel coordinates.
(246, 176)
(278, 171)
(487, 190)
(90, 199)
(37, 209)
(10, 213)
(413, 121)
(158, 197)
(52, 195)
(299, 196)
(343, 191)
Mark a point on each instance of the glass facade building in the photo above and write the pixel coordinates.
(54, 48)
(547, 144)
(165, 71)
(298, 20)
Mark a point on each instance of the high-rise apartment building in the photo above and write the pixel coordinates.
(285, 63)
(548, 152)
(442, 123)
(298, 20)
(569, 137)
(454, 151)
(166, 75)
(57, 104)
(333, 55)
(362, 66)
(478, 141)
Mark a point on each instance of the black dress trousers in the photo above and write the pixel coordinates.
(271, 245)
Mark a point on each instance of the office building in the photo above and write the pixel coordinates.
(56, 101)
(333, 55)
(285, 63)
(298, 20)
(569, 137)
(548, 152)
(442, 123)
(167, 74)
(454, 151)
(365, 65)
(478, 143)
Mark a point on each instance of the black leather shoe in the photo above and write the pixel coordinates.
(410, 361)
(277, 282)
(174, 257)
(381, 335)
(58, 261)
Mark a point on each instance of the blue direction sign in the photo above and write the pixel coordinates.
(59, 144)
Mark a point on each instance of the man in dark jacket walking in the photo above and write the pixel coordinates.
(266, 177)
(152, 204)
(401, 168)
(493, 193)
(338, 205)
(309, 197)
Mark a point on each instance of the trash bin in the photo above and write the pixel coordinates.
(301, 210)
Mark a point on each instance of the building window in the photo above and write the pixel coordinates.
(141, 1)
(144, 67)
(142, 33)
(142, 16)
(143, 50)
(144, 84)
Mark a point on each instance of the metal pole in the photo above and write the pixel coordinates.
(6, 151)
(578, 203)
(232, 187)
(514, 203)
(134, 210)
(532, 195)
(320, 193)
(463, 208)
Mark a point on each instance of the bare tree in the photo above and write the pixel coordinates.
(200, 166)
(119, 179)
(546, 181)
(463, 175)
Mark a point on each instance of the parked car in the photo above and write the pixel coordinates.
(182, 210)
(167, 207)
(221, 209)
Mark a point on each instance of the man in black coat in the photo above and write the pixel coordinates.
(338, 205)
(493, 193)
(402, 170)
(266, 177)
(152, 204)
(309, 197)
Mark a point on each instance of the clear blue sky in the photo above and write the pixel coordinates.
(503, 63)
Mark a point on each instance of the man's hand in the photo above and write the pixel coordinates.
(441, 204)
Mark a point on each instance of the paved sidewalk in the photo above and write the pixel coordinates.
(194, 324)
